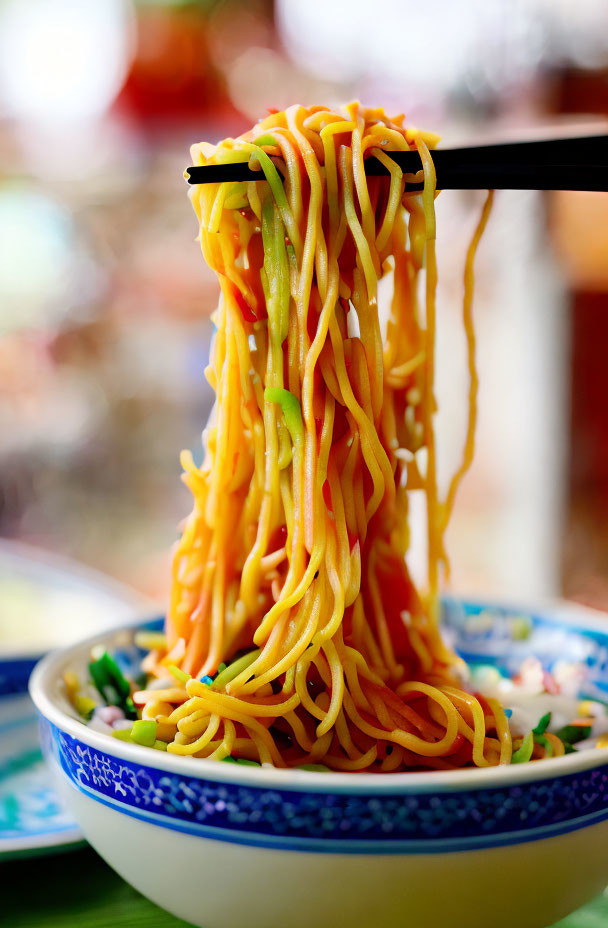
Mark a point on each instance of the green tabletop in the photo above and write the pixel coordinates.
(34, 896)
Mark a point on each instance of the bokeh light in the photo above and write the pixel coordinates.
(63, 60)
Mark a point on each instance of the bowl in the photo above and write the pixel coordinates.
(225, 846)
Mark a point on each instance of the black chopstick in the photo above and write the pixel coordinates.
(549, 164)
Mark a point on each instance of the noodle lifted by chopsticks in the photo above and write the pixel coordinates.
(293, 560)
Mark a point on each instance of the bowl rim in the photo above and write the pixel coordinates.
(47, 670)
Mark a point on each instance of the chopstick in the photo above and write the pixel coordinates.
(548, 164)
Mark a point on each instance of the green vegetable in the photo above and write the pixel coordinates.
(544, 743)
(291, 410)
(234, 669)
(85, 706)
(318, 768)
(543, 724)
(265, 140)
(180, 675)
(160, 745)
(220, 668)
(274, 179)
(572, 734)
(539, 734)
(111, 683)
(243, 761)
(144, 732)
(524, 753)
(123, 734)
(276, 271)
(115, 674)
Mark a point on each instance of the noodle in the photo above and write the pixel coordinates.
(292, 567)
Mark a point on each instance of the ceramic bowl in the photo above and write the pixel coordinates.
(225, 846)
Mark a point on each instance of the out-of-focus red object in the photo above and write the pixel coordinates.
(173, 77)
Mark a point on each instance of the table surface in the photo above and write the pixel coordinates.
(33, 896)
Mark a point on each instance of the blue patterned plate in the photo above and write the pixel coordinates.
(32, 819)
(45, 601)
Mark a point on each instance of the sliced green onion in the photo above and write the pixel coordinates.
(123, 734)
(291, 409)
(179, 674)
(266, 140)
(129, 708)
(572, 734)
(234, 669)
(111, 683)
(144, 732)
(85, 706)
(538, 734)
(243, 761)
(543, 724)
(276, 270)
(273, 177)
(524, 753)
(317, 768)
(544, 743)
(115, 674)
(160, 745)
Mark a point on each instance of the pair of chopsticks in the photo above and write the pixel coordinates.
(549, 164)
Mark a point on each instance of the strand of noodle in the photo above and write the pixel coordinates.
(363, 247)
(405, 739)
(299, 731)
(227, 744)
(467, 312)
(479, 722)
(428, 194)
(503, 731)
(556, 743)
(185, 749)
(337, 689)
(293, 654)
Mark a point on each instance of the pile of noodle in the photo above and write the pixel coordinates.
(292, 568)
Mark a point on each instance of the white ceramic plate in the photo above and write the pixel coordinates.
(45, 601)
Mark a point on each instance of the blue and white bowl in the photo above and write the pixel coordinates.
(225, 846)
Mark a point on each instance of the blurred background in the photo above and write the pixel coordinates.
(105, 299)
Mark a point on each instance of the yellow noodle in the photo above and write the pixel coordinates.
(296, 544)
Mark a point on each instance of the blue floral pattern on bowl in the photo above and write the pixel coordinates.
(385, 820)
(504, 638)
(348, 822)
